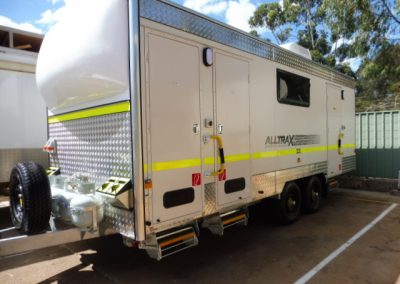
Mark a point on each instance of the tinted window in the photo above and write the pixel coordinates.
(178, 197)
(235, 185)
(293, 89)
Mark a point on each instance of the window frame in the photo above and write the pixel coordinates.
(289, 101)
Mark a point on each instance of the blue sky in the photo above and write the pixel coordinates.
(40, 15)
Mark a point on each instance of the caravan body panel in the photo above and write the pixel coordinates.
(163, 126)
(22, 109)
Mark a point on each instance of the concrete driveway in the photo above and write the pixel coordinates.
(262, 252)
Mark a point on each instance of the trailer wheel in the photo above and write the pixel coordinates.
(312, 195)
(30, 198)
(289, 205)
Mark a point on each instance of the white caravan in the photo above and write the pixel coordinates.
(23, 112)
(163, 121)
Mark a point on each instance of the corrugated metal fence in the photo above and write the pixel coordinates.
(378, 144)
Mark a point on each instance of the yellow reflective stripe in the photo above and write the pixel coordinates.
(97, 111)
(287, 152)
(314, 149)
(209, 161)
(349, 146)
(237, 158)
(332, 147)
(263, 155)
(345, 146)
(181, 164)
(172, 165)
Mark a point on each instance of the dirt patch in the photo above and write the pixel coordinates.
(369, 184)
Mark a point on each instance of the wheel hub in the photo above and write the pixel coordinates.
(291, 203)
(19, 205)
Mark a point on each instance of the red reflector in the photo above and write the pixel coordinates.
(196, 179)
(222, 176)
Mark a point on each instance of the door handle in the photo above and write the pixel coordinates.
(340, 150)
(221, 155)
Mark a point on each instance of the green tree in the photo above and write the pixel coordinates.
(380, 76)
(306, 15)
(273, 17)
(364, 25)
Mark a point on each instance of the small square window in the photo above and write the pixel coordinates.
(293, 89)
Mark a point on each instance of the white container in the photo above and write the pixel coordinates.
(84, 61)
(82, 207)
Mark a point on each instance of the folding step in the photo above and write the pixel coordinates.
(169, 242)
(218, 223)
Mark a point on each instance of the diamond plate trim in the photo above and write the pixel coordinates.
(99, 146)
(178, 17)
(349, 164)
(119, 220)
(299, 172)
(263, 185)
(210, 206)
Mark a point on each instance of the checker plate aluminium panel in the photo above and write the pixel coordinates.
(284, 176)
(99, 146)
(263, 185)
(349, 163)
(167, 13)
(119, 220)
(210, 198)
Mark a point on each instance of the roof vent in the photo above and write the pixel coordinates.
(298, 49)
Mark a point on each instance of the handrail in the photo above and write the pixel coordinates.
(340, 150)
(221, 155)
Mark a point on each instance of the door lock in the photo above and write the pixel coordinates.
(196, 128)
(208, 123)
(220, 128)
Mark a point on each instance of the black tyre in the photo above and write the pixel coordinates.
(289, 205)
(30, 198)
(312, 195)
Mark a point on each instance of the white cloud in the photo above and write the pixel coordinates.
(207, 6)
(54, 1)
(238, 14)
(340, 42)
(354, 63)
(4, 21)
(50, 17)
(235, 12)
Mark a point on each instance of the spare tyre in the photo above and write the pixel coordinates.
(30, 198)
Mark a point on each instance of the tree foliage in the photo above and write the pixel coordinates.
(306, 16)
(336, 30)
(380, 76)
(361, 24)
(272, 16)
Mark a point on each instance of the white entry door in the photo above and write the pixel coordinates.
(173, 87)
(231, 83)
(337, 130)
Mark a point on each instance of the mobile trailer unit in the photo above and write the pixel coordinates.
(172, 120)
(22, 108)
